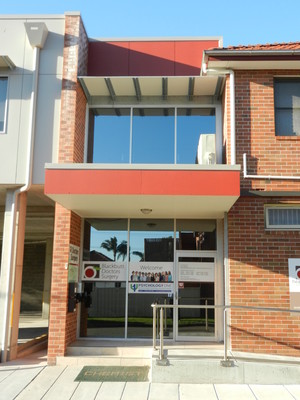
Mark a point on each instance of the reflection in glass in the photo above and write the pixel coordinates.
(105, 240)
(196, 322)
(108, 239)
(153, 136)
(196, 234)
(111, 136)
(150, 240)
(106, 315)
(191, 122)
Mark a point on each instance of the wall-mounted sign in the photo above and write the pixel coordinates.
(294, 275)
(74, 254)
(73, 264)
(151, 271)
(151, 287)
(111, 271)
(196, 272)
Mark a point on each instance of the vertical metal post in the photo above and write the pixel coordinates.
(225, 334)
(161, 347)
(154, 326)
(206, 316)
(165, 316)
(225, 362)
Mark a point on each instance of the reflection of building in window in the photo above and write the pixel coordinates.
(161, 249)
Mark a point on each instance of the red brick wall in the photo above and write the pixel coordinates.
(267, 154)
(67, 229)
(258, 259)
(259, 277)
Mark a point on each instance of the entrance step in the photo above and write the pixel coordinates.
(92, 352)
(204, 366)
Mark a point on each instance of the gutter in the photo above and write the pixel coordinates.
(249, 53)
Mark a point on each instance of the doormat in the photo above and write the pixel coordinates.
(97, 373)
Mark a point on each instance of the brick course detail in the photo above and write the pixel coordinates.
(67, 229)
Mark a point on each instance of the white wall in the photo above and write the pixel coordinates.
(13, 143)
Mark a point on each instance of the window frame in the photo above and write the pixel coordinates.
(280, 227)
(217, 114)
(277, 81)
(6, 104)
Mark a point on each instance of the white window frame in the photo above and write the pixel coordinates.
(5, 106)
(286, 227)
(282, 80)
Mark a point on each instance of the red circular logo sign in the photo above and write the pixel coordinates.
(90, 272)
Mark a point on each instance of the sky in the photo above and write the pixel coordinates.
(237, 21)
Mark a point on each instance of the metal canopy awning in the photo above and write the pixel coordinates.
(6, 62)
(149, 86)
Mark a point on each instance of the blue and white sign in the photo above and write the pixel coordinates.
(151, 287)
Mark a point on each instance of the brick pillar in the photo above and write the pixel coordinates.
(67, 228)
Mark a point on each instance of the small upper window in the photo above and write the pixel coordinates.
(283, 217)
(3, 103)
(287, 107)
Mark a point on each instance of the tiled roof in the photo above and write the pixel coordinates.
(264, 47)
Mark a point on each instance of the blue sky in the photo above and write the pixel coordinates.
(237, 21)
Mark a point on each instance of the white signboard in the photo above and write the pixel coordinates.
(111, 271)
(151, 277)
(74, 254)
(151, 271)
(196, 272)
(294, 275)
(151, 287)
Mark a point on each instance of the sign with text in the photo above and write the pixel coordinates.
(74, 254)
(294, 275)
(151, 287)
(111, 271)
(196, 272)
(150, 271)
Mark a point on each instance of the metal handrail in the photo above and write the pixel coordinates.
(225, 362)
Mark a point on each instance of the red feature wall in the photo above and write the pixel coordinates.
(147, 58)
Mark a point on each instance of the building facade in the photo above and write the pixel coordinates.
(162, 171)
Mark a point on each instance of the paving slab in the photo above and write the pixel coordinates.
(86, 391)
(234, 392)
(136, 391)
(14, 383)
(41, 384)
(274, 392)
(294, 390)
(163, 391)
(196, 391)
(64, 387)
(110, 391)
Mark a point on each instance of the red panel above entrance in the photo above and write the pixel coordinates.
(143, 182)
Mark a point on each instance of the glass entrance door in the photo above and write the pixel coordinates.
(194, 286)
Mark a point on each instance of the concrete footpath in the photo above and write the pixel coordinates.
(30, 378)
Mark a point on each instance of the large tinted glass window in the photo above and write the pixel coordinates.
(111, 136)
(191, 123)
(106, 242)
(153, 136)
